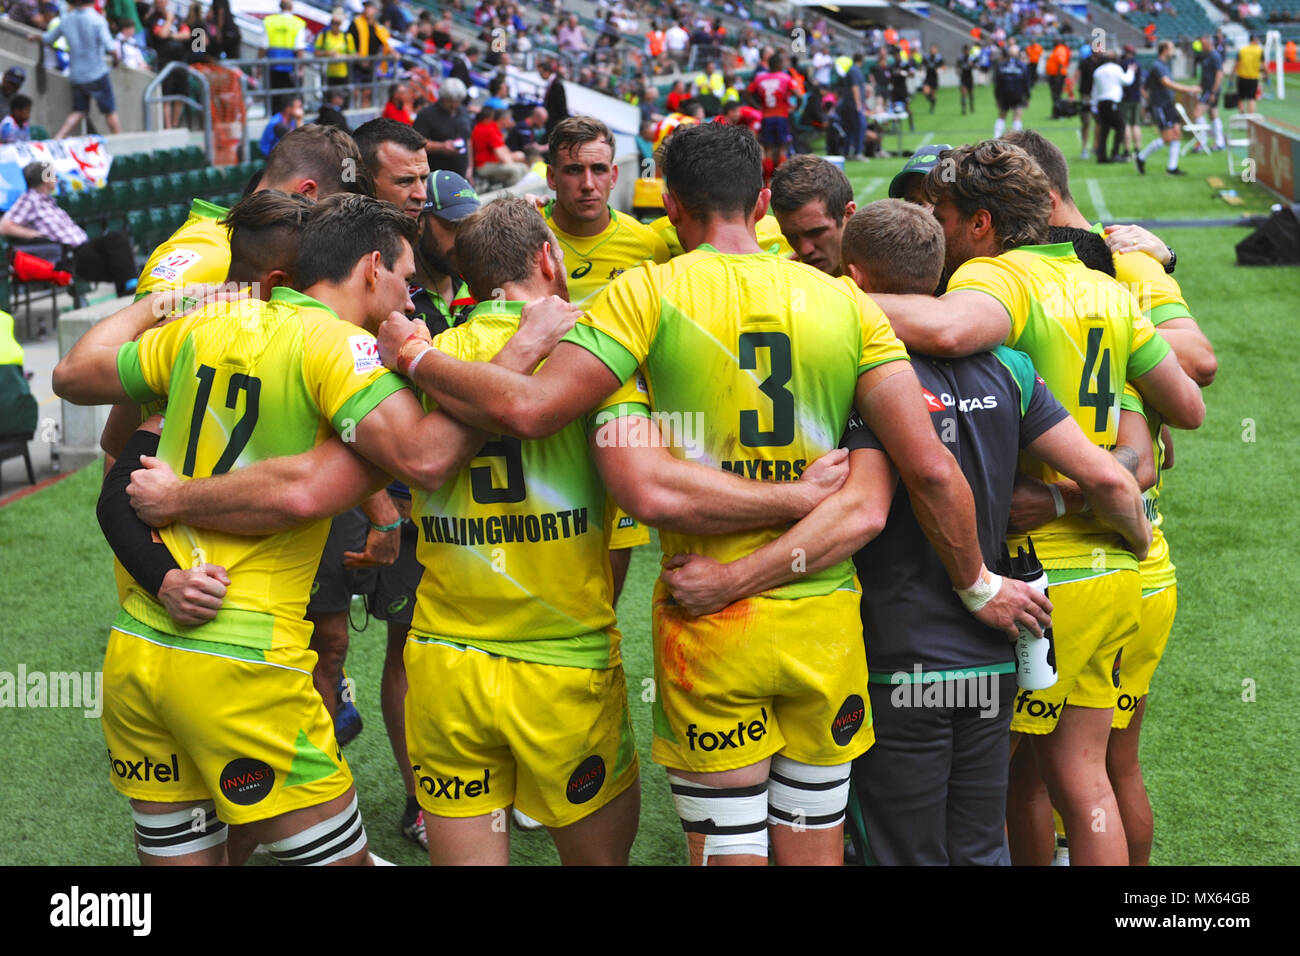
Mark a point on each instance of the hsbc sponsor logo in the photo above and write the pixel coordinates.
(365, 353)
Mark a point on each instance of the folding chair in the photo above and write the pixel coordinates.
(1199, 131)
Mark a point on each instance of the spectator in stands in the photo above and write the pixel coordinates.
(126, 47)
(289, 118)
(169, 42)
(394, 17)
(32, 13)
(36, 217)
(677, 42)
(492, 158)
(447, 129)
(556, 100)
(335, 43)
(526, 136)
(371, 39)
(331, 110)
(118, 13)
(400, 100)
(463, 65)
(286, 39)
(14, 127)
(88, 41)
(13, 81)
(498, 97)
(442, 30)
(569, 37)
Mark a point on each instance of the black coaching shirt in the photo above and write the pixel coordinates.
(985, 408)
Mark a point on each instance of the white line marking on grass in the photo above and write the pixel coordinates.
(1098, 201)
(870, 186)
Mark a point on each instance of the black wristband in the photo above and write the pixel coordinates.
(1173, 261)
(131, 539)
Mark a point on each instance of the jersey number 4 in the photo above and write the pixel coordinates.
(1097, 368)
(774, 387)
(251, 386)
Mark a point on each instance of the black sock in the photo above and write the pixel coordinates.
(412, 808)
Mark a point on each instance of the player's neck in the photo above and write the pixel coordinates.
(1070, 217)
(573, 226)
(339, 299)
(734, 236)
(528, 290)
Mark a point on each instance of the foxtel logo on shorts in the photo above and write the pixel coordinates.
(587, 780)
(452, 787)
(743, 733)
(1037, 708)
(245, 781)
(146, 769)
(852, 715)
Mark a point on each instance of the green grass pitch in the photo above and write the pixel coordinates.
(1223, 716)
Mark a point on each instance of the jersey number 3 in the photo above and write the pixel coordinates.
(481, 486)
(251, 386)
(782, 431)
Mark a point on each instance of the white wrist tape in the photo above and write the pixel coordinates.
(410, 369)
(981, 592)
(1058, 498)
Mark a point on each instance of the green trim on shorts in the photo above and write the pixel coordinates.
(663, 729)
(310, 763)
(933, 677)
(1148, 592)
(585, 650)
(1070, 575)
(129, 624)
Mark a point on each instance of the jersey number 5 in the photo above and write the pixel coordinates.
(480, 478)
(782, 432)
(1102, 398)
(251, 386)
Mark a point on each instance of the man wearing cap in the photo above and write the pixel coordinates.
(13, 81)
(447, 129)
(441, 300)
(907, 184)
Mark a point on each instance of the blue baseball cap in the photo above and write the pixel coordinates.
(450, 196)
(16, 74)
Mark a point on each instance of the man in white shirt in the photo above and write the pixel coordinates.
(821, 65)
(677, 41)
(1108, 82)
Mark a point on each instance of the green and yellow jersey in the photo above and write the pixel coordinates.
(247, 381)
(197, 252)
(1159, 296)
(1158, 569)
(1086, 336)
(767, 230)
(751, 364)
(592, 262)
(514, 545)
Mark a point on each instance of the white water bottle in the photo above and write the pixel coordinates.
(1035, 656)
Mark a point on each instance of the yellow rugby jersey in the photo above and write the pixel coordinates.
(751, 364)
(594, 261)
(197, 252)
(1159, 296)
(1086, 336)
(767, 230)
(1158, 568)
(247, 381)
(514, 544)
(1249, 59)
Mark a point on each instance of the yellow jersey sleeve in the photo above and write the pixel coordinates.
(341, 366)
(196, 253)
(1158, 293)
(621, 323)
(879, 343)
(145, 365)
(1004, 280)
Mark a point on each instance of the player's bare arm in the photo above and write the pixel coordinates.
(381, 545)
(497, 399)
(672, 494)
(1168, 390)
(954, 325)
(890, 402)
(833, 531)
(1193, 348)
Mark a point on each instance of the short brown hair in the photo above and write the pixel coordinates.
(323, 153)
(574, 132)
(803, 178)
(344, 229)
(1048, 156)
(264, 232)
(999, 178)
(497, 245)
(897, 244)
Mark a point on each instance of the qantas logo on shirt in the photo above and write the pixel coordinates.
(945, 401)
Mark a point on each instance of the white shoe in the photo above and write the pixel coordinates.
(524, 822)
(380, 861)
(1062, 855)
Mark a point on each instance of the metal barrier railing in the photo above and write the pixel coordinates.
(204, 107)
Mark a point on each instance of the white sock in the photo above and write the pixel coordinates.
(999, 127)
(1174, 149)
(1017, 125)
(1150, 148)
(1218, 132)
